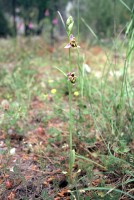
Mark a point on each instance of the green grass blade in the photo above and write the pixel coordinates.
(89, 160)
(61, 71)
(91, 30)
(125, 5)
(62, 19)
(109, 189)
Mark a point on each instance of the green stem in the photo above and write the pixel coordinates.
(70, 118)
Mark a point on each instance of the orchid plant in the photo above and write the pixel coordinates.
(71, 81)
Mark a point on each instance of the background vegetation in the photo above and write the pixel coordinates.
(102, 15)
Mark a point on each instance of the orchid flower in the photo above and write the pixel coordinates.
(71, 77)
(72, 43)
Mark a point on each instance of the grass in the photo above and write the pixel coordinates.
(34, 120)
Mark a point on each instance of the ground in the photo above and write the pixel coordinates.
(34, 123)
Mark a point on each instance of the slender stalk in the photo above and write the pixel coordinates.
(70, 105)
(70, 119)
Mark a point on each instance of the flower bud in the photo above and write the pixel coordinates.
(69, 21)
(70, 27)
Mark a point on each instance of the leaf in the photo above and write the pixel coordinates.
(72, 159)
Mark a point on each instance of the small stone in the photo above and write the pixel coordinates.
(12, 151)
